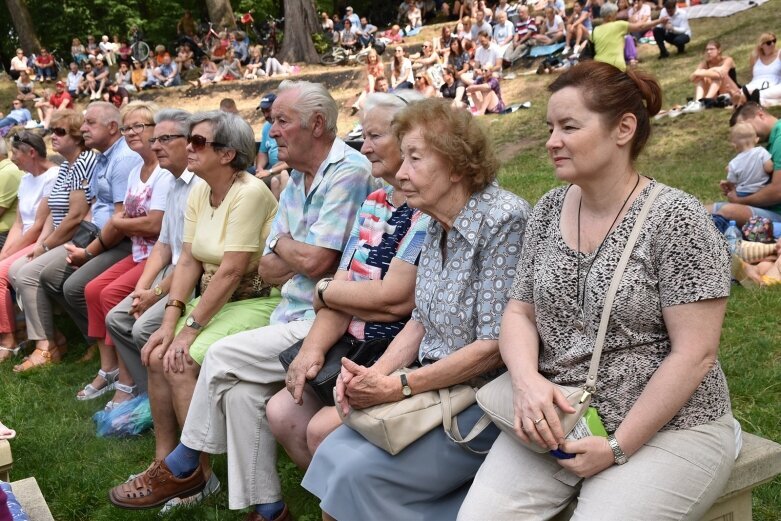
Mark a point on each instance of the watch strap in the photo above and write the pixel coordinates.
(177, 304)
(618, 455)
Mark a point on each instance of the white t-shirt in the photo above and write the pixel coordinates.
(141, 199)
(746, 171)
(487, 57)
(33, 188)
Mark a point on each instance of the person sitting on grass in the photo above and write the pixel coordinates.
(578, 27)
(551, 29)
(167, 73)
(452, 88)
(100, 77)
(486, 94)
(765, 202)
(19, 115)
(610, 38)
(750, 169)
(59, 100)
(25, 87)
(45, 69)
(712, 79)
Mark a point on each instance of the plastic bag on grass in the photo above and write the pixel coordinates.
(130, 418)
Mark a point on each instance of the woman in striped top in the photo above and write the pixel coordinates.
(68, 204)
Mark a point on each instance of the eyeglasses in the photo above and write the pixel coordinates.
(59, 131)
(769, 42)
(165, 138)
(137, 128)
(199, 142)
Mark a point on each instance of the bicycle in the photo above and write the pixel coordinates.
(139, 49)
(270, 36)
(338, 55)
(59, 63)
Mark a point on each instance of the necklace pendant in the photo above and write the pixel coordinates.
(580, 322)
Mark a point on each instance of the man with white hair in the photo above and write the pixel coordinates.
(240, 373)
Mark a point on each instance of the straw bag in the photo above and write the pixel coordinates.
(496, 397)
(394, 426)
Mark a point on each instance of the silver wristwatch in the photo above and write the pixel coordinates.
(618, 455)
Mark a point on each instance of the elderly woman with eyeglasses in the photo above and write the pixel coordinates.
(144, 205)
(67, 204)
(226, 223)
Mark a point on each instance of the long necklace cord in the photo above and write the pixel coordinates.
(580, 323)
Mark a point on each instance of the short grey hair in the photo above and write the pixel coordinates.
(109, 113)
(178, 116)
(313, 98)
(232, 131)
(393, 102)
(608, 9)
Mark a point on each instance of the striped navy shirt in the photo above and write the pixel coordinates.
(70, 178)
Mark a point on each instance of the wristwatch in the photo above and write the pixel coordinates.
(177, 304)
(272, 244)
(618, 454)
(157, 290)
(321, 287)
(405, 388)
(190, 322)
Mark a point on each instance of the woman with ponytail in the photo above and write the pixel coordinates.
(668, 443)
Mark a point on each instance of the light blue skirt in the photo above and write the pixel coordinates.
(426, 481)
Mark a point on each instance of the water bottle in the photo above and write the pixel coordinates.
(734, 237)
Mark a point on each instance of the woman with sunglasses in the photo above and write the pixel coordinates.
(29, 155)
(144, 205)
(765, 63)
(402, 76)
(66, 206)
(423, 85)
(226, 223)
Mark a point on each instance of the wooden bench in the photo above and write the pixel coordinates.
(30, 497)
(6, 461)
(758, 463)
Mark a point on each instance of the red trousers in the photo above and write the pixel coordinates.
(107, 290)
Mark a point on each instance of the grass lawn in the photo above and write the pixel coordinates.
(57, 442)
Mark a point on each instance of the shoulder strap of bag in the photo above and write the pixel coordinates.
(591, 380)
(451, 427)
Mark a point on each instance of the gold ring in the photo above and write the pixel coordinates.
(538, 421)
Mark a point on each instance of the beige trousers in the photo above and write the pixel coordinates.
(677, 475)
(239, 375)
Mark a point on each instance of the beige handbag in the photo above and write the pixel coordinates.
(496, 397)
(394, 426)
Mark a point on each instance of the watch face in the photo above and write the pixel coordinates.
(158, 290)
(406, 391)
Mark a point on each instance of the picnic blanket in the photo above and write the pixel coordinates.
(721, 9)
(546, 50)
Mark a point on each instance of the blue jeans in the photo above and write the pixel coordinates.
(8, 122)
(48, 73)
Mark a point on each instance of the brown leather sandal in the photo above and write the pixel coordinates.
(39, 358)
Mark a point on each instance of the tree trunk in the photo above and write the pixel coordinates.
(23, 23)
(301, 22)
(220, 13)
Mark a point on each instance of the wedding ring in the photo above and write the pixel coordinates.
(538, 421)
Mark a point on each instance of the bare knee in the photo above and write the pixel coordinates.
(323, 424)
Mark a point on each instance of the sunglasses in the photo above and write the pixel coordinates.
(59, 131)
(165, 138)
(199, 142)
(137, 128)
(769, 42)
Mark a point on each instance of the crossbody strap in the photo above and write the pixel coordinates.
(450, 424)
(591, 380)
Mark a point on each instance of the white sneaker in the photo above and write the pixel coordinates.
(566, 51)
(211, 488)
(692, 107)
